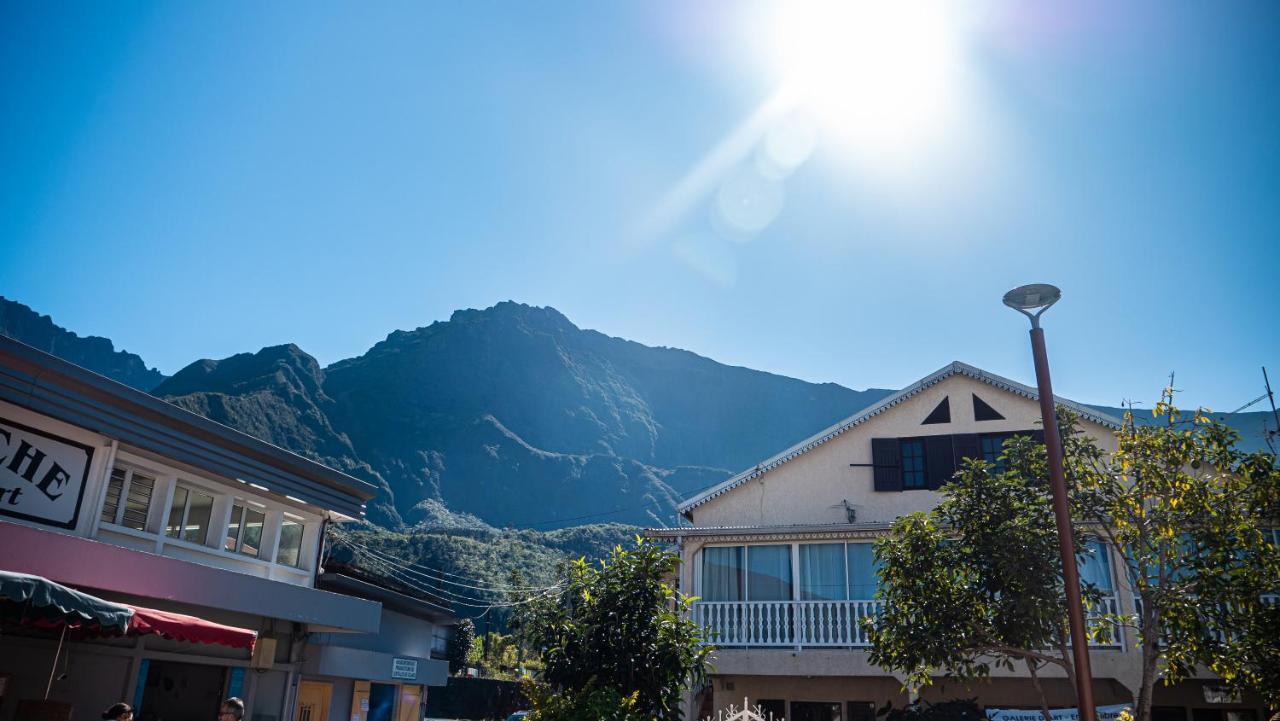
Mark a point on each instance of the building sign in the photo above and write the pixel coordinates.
(406, 668)
(1105, 713)
(42, 476)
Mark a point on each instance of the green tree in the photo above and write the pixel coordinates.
(1190, 514)
(617, 633)
(977, 581)
(460, 645)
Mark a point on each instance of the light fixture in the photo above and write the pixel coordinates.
(1034, 297)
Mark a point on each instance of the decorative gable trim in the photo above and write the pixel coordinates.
(953, 369)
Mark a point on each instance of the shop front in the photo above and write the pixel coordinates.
(189, 525)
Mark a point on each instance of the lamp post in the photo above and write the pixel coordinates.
(1032, 301)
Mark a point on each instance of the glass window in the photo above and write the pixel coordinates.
(115, 489)
(815, 711)
(128, 498)
(864, 571)
(822, 574)
(722, 573)
(913, 464)
(137, 501)
(189, 515)
(1095, 567)
(992, 448)
(244, 532)
(290, 549)
(769, 573)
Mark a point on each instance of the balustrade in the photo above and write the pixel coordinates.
(817, 624)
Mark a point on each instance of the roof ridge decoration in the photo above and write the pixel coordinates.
(951, 369)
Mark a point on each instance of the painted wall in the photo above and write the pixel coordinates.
(810, 488)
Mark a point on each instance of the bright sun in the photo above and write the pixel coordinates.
(879, 76)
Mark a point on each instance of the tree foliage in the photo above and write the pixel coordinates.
(460, 645)
(1191, 516)
(617, 632)
(978, 581)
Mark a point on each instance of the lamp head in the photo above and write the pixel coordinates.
(1036, 297)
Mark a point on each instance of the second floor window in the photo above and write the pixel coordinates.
(290, 550)
(244, 532)
(128, 498)
(189, 514)
(913, 475)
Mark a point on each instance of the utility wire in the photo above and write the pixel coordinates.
(409, 567)
(344, 537)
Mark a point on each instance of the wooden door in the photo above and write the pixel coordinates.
(410, 703)
(313, 701)
(360, 701)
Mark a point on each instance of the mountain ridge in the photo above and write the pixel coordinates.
(511, 415)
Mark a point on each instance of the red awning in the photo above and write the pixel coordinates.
(180, 627)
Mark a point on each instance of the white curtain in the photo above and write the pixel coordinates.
(822, 572)
(722, 573)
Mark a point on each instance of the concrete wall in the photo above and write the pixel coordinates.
(398, 634)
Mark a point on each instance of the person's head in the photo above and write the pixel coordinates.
(232, 710)
(119, 712)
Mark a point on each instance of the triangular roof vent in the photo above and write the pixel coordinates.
(984, 412)
(941, 414)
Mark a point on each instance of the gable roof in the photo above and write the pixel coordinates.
(953, 369)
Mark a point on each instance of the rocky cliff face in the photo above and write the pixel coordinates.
(97, 354)
(511, 413)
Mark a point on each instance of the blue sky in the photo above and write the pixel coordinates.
(198, 179)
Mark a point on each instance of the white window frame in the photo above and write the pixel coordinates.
(184, 482)
(123, 504)
(245, 505)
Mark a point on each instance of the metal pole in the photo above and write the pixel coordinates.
(49, 686)
(1066, 539)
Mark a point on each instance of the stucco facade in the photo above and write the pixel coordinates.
(828, 493)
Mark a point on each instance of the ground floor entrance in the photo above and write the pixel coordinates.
(175, 691)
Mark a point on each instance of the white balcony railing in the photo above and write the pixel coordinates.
(786, 623)
(817, 624)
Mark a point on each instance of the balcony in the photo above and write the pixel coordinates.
(819, 624)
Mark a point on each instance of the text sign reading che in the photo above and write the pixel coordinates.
(42, 476)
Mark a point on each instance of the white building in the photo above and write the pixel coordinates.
(131, 499)
(780, 558)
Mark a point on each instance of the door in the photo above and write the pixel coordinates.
(313, 701)
(176, 691)
(410, 703)
(360, 701)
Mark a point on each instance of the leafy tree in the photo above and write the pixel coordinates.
(977, 581)
(1190, 514)
(616, 637)
(460, 645)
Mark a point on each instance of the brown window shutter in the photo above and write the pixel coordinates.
(939, 460)
(886, 457)
(966, 445)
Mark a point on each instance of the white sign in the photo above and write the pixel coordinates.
(404, 668)
(42, 476)
(1105, 713)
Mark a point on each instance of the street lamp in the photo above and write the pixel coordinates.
(1032, 301)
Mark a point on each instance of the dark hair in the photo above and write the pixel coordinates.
(237, 706)
(116, 711)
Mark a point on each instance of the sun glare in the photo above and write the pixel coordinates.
(879, 76)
